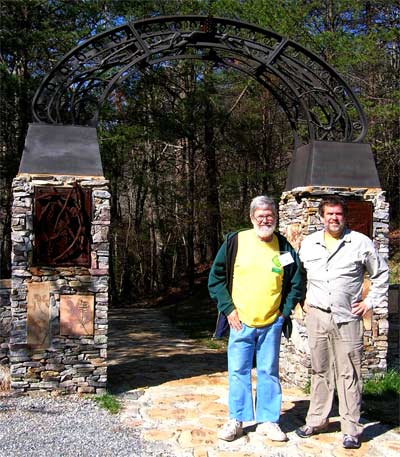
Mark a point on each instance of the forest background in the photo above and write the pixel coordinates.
(185, 146)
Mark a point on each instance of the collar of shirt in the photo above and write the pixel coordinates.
(345, 238)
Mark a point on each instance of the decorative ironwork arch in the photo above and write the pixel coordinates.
(317, 101)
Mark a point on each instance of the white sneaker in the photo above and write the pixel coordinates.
(231, 430)
(272, 431)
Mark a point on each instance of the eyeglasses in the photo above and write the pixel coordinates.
(270, 217)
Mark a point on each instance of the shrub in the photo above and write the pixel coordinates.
(108, 402)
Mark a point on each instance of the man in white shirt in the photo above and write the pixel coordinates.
(335, 260)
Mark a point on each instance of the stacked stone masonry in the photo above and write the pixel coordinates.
(5, 320)
(298, 211)
(71, 363)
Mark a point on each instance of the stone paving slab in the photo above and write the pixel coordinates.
(178, 394)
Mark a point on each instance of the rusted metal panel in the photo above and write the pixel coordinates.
(38, 314)
(76, 315)
(62, 223)
(360, 216)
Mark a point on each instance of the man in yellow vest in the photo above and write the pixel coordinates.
(256, 281)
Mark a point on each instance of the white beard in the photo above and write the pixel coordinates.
(265, 231)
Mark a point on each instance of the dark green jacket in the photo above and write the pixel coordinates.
(221, 274)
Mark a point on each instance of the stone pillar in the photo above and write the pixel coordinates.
(298, 218)
(60, 263)
(59, 313)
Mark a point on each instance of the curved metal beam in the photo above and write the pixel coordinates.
(309, 90)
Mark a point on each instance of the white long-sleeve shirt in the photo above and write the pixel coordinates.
(335, 279)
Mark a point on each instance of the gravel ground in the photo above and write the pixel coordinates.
(67, 427)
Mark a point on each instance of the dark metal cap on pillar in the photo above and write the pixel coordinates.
(61, 150)
(331, 163)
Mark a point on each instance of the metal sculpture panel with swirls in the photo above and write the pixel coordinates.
(317, 101)
(62, 226)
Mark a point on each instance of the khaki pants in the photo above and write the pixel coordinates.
(336, 351)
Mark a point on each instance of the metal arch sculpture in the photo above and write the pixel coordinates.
(317, 101)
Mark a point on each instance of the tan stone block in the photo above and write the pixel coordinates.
(214, 409)
(33, 373)
(220, 380)
(309, 448)
(392, 445)
(341, 452)
(49, 374)
(156, 413)
(157, 435)
(85, 390)
(234, 454)
(183, 428)
(326, 438)
(211, 422)
(175, 413)
(196, 398)
(98, 362)
(164, 403)
(269, 443)
(197, 437)
(200, 452)
(190, 400)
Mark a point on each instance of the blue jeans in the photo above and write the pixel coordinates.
(265, 343)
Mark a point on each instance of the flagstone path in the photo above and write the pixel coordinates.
(174, 390)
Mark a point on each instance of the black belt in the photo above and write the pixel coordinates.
(325, 310)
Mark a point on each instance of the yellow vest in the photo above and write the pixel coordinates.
(257, 280)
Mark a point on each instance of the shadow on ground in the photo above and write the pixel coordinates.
(152, 371)
(146, 349)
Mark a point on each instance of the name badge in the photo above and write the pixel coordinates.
(286, 259)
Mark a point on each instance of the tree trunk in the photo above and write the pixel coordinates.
(213, 209)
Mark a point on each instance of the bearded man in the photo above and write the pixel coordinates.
(336, 260)
(256, 281)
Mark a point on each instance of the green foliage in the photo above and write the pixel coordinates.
(109, 402)
(307, 387)
(215, 343)
(381, 397)
(386, 385)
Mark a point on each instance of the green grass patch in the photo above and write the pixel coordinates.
(307, 387)
(381, 396)
(386, 384)
(108, 402)
(213, 343)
